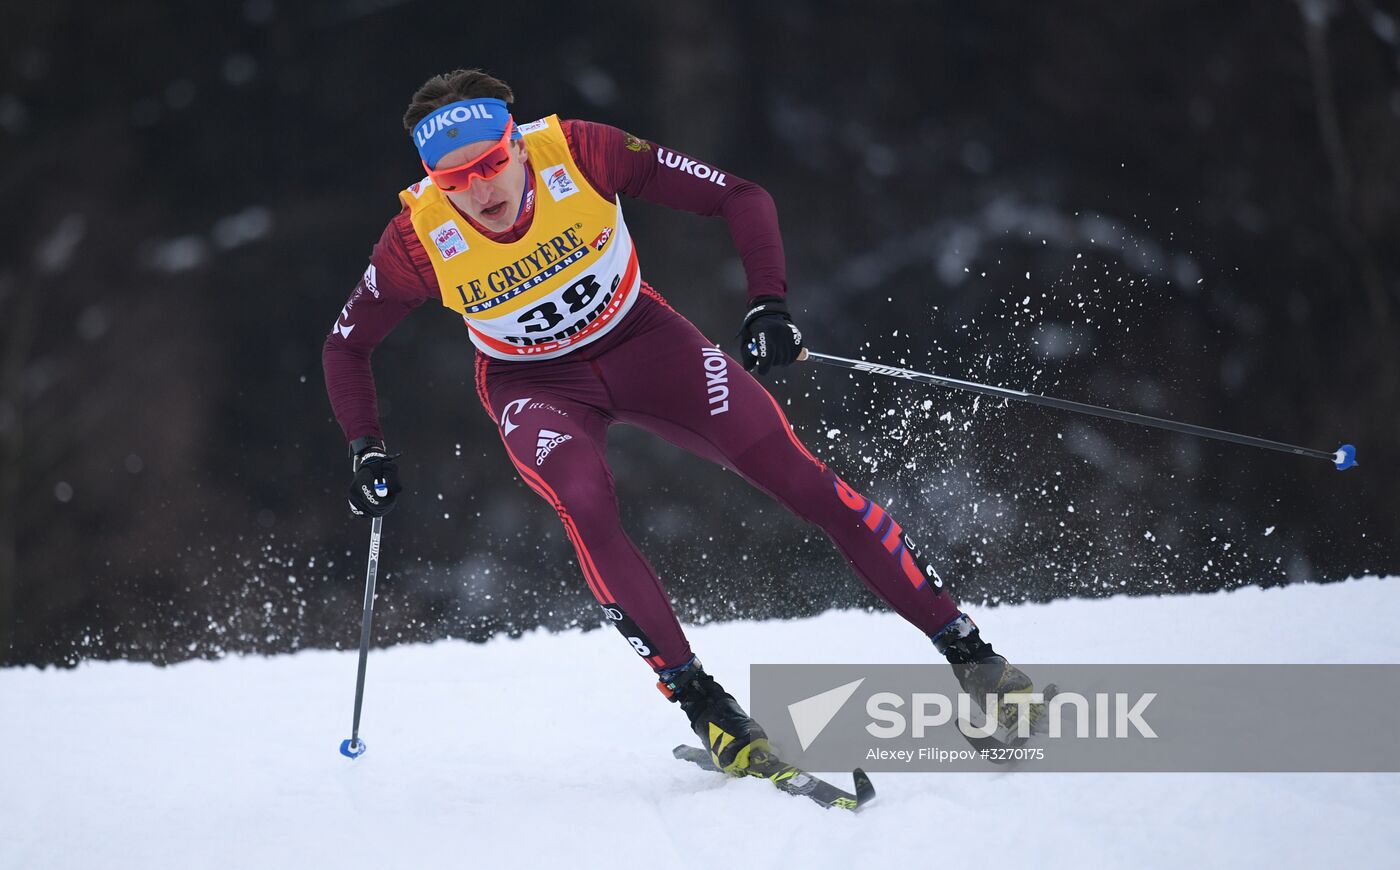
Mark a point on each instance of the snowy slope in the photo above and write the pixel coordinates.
(553, 750)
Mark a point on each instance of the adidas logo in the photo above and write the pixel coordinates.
(548, 440)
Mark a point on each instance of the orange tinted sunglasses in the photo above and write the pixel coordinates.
(486, 167)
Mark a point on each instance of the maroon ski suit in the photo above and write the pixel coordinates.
(653, 370)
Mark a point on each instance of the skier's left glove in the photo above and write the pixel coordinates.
(768, 337)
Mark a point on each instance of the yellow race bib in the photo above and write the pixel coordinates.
(562, 285)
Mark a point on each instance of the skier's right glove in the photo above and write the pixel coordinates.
(376, 486)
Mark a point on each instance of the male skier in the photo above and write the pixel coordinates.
(519, 229)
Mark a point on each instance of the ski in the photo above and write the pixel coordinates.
(790, 779)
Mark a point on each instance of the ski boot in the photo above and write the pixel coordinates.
(982, 672)
(732, 738)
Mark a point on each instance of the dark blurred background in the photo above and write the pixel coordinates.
(1189, 209)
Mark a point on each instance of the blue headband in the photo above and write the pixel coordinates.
(458, 124)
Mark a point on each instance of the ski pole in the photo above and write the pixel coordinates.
(1343, 457)
(355, 747)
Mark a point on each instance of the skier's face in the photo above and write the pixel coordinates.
(493, 202)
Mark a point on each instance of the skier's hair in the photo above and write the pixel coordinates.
(460, 84)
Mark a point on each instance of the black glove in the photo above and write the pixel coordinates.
(768, 337)
(376, 485)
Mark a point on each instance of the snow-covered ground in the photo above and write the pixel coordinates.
(554, 751)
